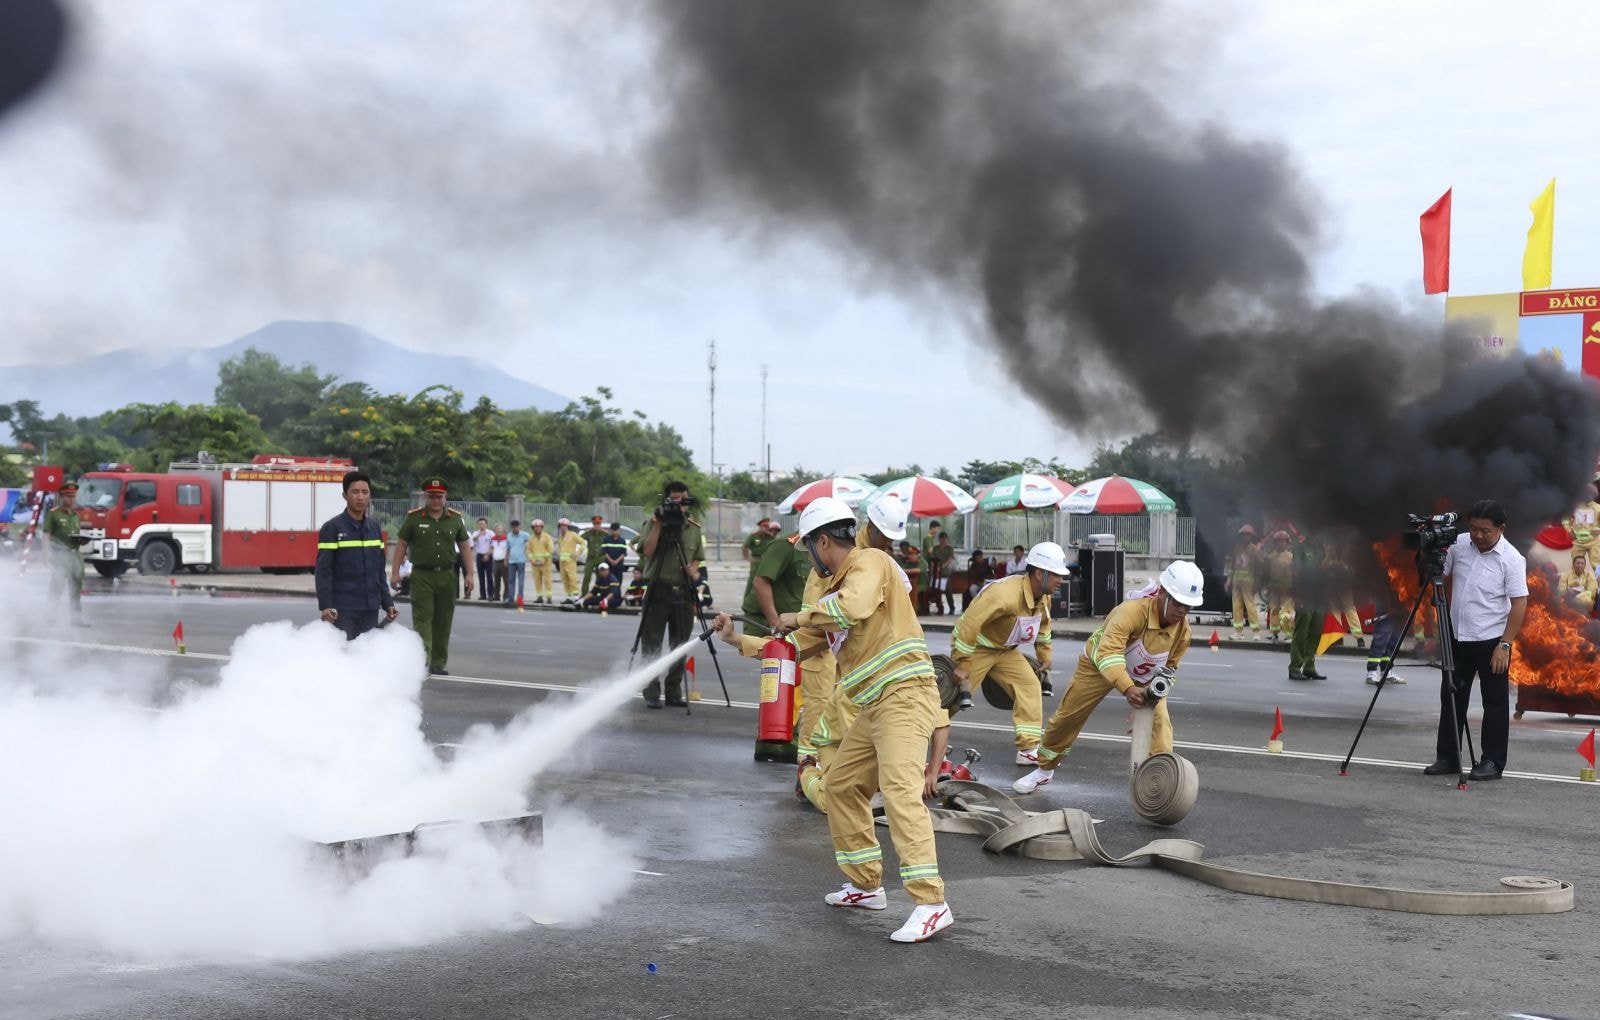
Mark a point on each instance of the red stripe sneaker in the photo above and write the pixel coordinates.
(924, 923)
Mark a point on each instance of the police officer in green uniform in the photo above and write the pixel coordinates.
(753, 546)
(593, 539)
(777, 587)
(435, 536)
(61, 529)
(671, 546)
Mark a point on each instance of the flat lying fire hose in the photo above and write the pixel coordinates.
(1164, 787)
(1067, 834)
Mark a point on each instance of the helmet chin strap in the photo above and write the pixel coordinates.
(816, 561)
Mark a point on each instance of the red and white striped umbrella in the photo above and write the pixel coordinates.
(850, 490)
(925, 497)
(1115, 494)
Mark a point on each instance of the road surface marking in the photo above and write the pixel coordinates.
(1116, 738)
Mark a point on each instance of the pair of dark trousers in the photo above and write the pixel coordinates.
(1472, 659)
(356, 622)
(1308, 623)
(666, 609)
(485, 577)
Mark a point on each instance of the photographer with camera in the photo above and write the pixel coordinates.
(671, 547)
(1488, 591)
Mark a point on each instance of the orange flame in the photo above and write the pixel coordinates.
(1554, 649)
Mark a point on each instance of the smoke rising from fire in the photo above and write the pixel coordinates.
(1133, 271)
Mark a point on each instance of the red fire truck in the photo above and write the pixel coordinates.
(205, 515)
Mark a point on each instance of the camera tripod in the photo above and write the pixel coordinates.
(652, 592)
(1431, 569)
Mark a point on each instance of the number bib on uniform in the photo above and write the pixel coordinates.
(1141, 662)
(1024, 630)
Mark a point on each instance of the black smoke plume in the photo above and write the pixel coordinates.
(1134, 272)
(32, 36)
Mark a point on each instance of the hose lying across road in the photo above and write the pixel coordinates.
(1067, 834)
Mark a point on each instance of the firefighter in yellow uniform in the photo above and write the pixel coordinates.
(1584, 525)
(886, 525)
(1278, 568)
(541, 550)
(1140, 636)
(885, 670)
(568, 545)
(1006, 614)
(1244, 569)
(1578, 584)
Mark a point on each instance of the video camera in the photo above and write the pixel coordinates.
(671, 512)
(1430, 533)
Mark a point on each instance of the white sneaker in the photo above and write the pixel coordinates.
(926, 921)
(1032, 781)
(1029, 757)
(850, 896)
(1372, 679)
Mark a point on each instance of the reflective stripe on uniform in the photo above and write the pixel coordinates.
(365, 543)
(862, 856)
(910, 646)
(910, 671)
(912, 872)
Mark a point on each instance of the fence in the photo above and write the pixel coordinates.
(390, 512)
(726, 523)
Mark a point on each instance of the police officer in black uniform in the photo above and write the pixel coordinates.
(351, 587)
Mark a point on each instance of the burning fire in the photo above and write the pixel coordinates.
(1401, 566)
(1555, 649)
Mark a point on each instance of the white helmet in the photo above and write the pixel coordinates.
(889, 514)
(538, 523)
(822, 511)
(1049, 557)
(1184, 582)
(564, 523)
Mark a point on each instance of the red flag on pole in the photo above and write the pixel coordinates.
(1586, 748)
(1277, 724)
(177, 636)
(1215, 640)
(1436, 246)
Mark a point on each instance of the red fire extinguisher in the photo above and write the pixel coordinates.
(775, 719)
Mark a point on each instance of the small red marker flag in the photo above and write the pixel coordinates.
(1277, 724)
(1215, 639)
(177, 636)
(1586, 748)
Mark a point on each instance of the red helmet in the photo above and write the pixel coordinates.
(1248, 529)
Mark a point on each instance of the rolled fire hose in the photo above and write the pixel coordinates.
(1163, 786)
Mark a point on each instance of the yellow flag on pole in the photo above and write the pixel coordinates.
(1541, 240)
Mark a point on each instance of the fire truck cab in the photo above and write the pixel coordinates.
(203, 515)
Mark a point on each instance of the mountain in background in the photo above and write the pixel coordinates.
(111, 380)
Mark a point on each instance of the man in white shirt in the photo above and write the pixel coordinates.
(1487, 580)
(481, 540)
(1018, 563)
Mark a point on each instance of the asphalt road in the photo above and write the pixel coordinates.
(732, 913)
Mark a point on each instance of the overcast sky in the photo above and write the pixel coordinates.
(465, 177)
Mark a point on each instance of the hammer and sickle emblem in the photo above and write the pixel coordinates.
(1594, 333)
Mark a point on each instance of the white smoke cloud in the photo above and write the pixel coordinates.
(181, 826)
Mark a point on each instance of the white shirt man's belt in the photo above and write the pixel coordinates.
(1483, 586)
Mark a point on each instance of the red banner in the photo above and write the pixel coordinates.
(1591, 345)
(1560, 302)
(47, 478)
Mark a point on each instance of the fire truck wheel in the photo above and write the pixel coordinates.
(157, 558)
(112, 570)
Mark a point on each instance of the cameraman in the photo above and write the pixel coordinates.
(1488, 591)
(671, 547)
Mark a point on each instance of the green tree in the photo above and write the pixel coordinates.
(86, 452)
(257, 382)
(179, 432)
